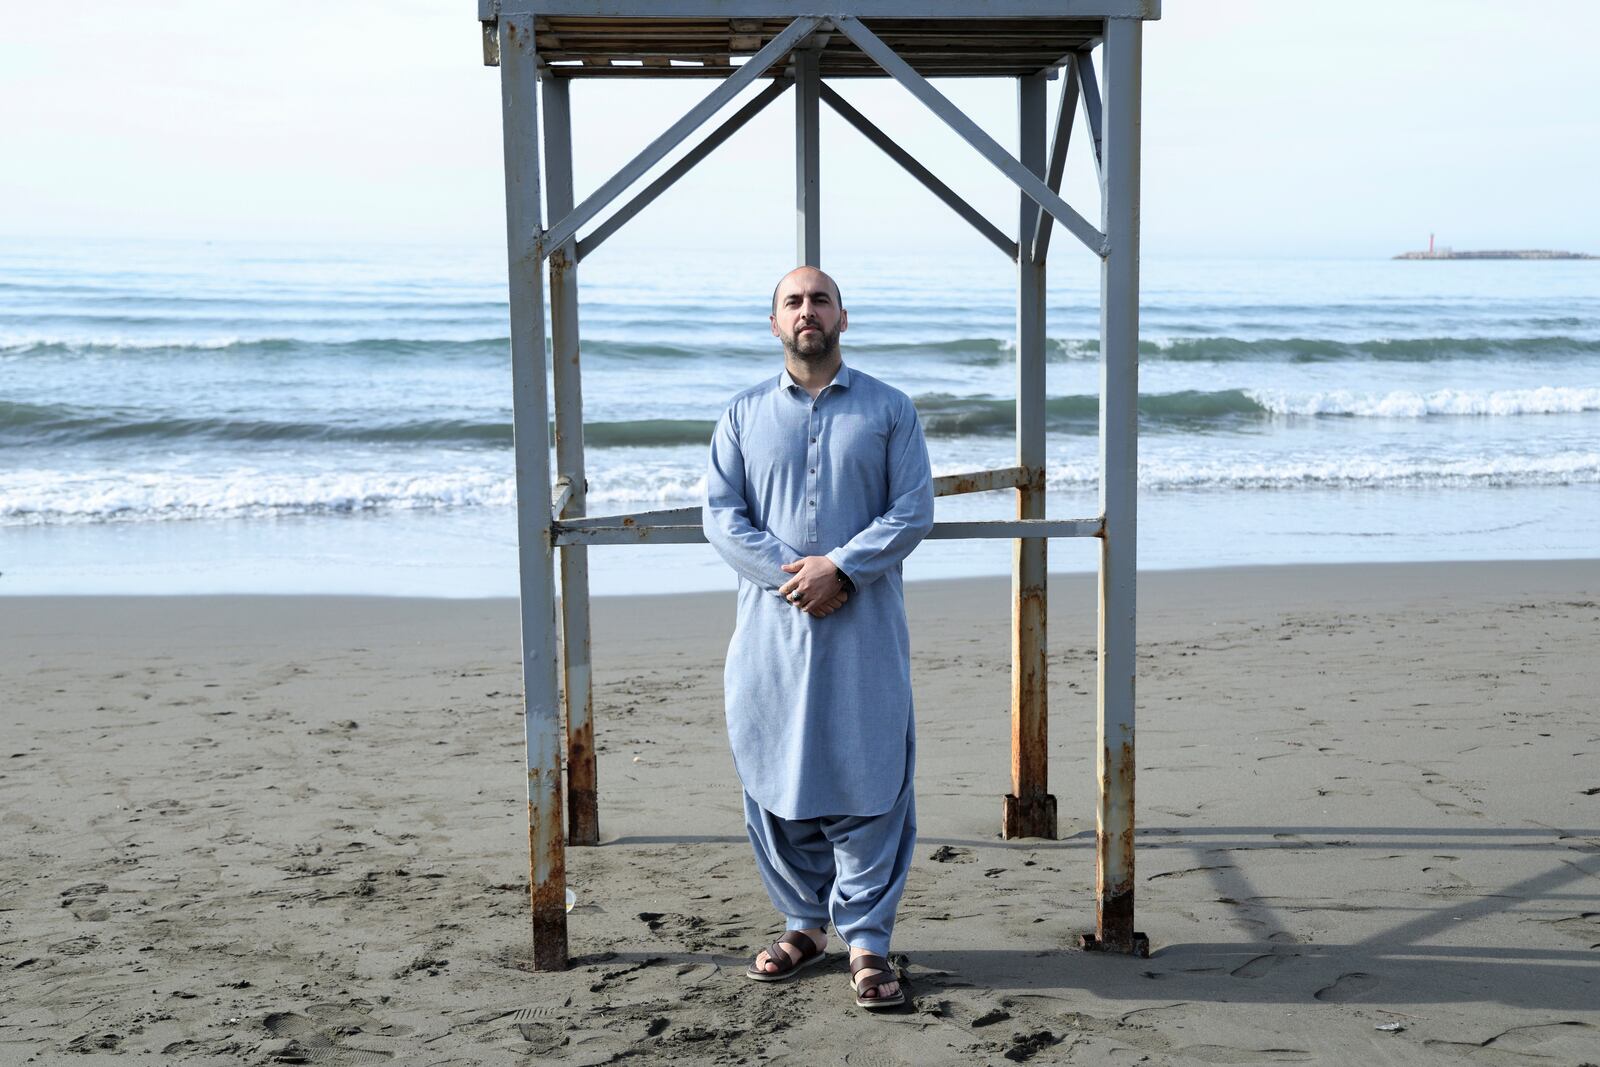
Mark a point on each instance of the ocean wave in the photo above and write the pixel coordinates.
(134, 496)
(18, 346)
(1403, 349)
(36, 424)
(976, 416)
(1347, 472)
(1293, 350)
(52, 498)
(428, 340)
(943, 416)
(1406, 404)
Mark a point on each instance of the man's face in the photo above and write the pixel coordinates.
(807, 317)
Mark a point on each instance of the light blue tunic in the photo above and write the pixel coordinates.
(819, 710)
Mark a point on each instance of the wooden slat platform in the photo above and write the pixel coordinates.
(574, 47)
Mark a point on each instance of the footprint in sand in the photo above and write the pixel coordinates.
(1263, 964)
(1567, 1039)
(1355, 986)
(1229, 1054)
(82, 899)
(308, 1042)
(1585, 927)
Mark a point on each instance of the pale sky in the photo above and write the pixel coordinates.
(1351, 128)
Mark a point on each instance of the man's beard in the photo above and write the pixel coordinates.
(815, 347)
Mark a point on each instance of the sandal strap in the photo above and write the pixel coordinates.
(784, 962)
(801, 941)
(868, 962)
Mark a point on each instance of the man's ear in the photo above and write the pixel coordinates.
(772, 320)
(844, 320)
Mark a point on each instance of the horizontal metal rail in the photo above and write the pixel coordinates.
(588, 532)
(664, 517)
(1018, 528)
(980, 481)
(643, 533)
(944, 485)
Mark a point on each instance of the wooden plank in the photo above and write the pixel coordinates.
(1030, 61)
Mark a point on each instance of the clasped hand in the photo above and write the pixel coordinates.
(816, 580)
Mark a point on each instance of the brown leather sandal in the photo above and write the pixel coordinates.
(868, 962)
(787, 966)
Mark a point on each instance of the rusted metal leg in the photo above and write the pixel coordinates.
(547, 880)
(577, 694)
(1029, 809)
(1119, 463)
(583, 789)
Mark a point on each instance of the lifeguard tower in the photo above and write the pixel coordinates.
(541, 48)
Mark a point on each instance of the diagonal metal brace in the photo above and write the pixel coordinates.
(1083, 68)
(938, 188)
(688, 162)
(1065, 110)
(561, 232)
(972, 133)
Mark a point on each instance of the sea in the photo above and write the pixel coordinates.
(207, 417)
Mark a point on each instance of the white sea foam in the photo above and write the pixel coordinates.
(1405, 404)
(22, 342)
(1347, 472)
(49, 498)
(39, 497)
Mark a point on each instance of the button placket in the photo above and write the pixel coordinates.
(814, 455)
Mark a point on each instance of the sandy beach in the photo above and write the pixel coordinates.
(291, 829)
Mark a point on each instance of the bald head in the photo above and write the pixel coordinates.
(808, 316)
(802, 279)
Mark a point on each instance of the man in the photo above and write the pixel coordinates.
(818, 487)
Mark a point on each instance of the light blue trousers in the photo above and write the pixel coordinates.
(850, 869)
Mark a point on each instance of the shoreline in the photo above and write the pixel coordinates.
(255, 828)
(1299, 571)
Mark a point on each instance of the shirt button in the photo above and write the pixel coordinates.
(813, 503)
(813, 440)
(813, 470)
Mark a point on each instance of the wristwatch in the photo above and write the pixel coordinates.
(844, 580)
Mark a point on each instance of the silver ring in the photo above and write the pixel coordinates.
(794, 597)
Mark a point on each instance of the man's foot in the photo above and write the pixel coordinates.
(791, 956)
(869, 981)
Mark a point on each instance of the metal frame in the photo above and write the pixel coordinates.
(549, 520)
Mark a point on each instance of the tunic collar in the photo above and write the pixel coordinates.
(842, 380)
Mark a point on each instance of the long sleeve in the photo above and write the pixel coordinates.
(755, 554)
(890, 537)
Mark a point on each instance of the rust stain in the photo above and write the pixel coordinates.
(628, 520)
(1114, 917)
(1114, 909)
(547, 899)
(583, 814)
(964, 485)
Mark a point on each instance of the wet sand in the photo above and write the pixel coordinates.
(291, 829)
